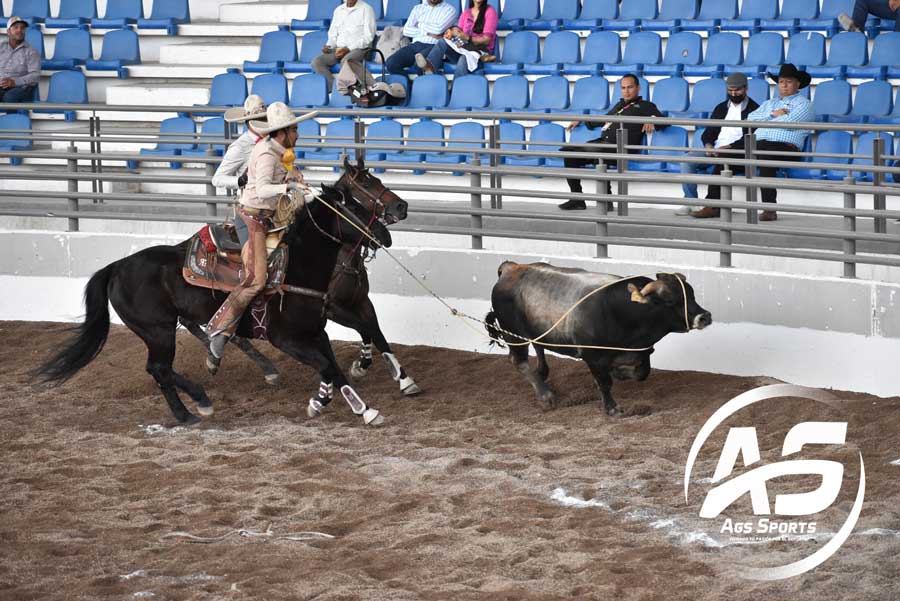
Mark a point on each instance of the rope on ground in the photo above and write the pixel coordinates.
(266, 533)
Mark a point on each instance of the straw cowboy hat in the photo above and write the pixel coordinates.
(254, 108)
(789, 70)
(279, 116)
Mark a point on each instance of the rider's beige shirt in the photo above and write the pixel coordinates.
(265, 176)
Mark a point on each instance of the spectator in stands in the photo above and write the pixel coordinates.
(473, 38)
(20, 64)
(883, 9)
(631, 105)
(350, 38)
(271, 175)
(426, 25)
(232, 171)
(734, 108)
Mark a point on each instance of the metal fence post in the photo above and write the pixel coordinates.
(879, 200)
(621, 166)
(92, 131)
(726, 217)
(210, 169)
(475, 202)
(849, 226)
(99, 161)
(496, 180)
(358, 134)
(749, 174)
(602, 227)
(72, 164)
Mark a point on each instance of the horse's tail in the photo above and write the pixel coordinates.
(491, 325)
(91, 335)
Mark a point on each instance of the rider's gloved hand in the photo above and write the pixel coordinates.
(297, 187)
(242, 180)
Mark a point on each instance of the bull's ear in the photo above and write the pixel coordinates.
(636, 295)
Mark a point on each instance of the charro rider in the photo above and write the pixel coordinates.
(270, 176)
(232, 171)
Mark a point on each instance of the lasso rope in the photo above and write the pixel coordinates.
(266, 533)
(525, 341)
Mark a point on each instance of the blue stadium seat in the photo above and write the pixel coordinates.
(832, 101)
(310, 47)
(560, 48)
(711, 16)
(212, 132)
(14, 121)
(670, 95)
(631, 14)
(66, 87)
(544, 137)
(276, 49)
(457, 144)
(519, 49)
(307, 138)
(512, 138)
(33, 11)
(318, 15)
(271, 87)
(418, 131)
(173, 126)
(336, 132)
(848, 48)
(670, 136)
(873, 101)
(593, 13)
(683, 48)
(227, 89)
(763, 49)
(73, 13)
(827, 19)
(601, 47)
(752, 12)
(863, 148)
(617, 90)
(642, 48)
(120, 13)
(167, 14)
(590, 96)
(35, 38)
(72, 48)
(831, 142)
(791, 14)
(121, 47)
(706, 95)
(806, 49)
(397, 12)
(672, 15)
(722, 50)
(758, 89)
(338, 100)
(510, 93)
(550, 94)
(384, 128)
(554, 14)
(309, 91)
(469, 92)
(429, 92)
(885, 59)
(517, 12)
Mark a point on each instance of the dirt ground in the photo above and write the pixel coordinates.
(471, 491)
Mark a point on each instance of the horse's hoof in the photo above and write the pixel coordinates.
(357, 372)
(410, 389)
(272, 379)
(372, 417)
(212, 364)
(314, 408)
(205, 410)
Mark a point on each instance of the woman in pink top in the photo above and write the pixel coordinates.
(477, 27)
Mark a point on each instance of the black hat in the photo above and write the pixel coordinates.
(789, 70)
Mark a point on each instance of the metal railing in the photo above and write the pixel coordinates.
(481, 213)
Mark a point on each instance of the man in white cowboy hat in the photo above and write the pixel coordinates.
(268, 178)
(20, 64)
(232, 171)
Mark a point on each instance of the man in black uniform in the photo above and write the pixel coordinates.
(631, 105)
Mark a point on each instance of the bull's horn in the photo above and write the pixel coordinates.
(651, 288)
(636, 295)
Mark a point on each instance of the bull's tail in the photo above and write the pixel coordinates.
(91, 335)
(491, 325)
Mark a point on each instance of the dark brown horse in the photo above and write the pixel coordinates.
(149, 294)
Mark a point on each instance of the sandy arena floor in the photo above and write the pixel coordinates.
(469, 492)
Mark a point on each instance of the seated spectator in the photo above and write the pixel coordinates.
(467, 44)
(883, 9)
(350, 37)
(426, 25)
(20, 64)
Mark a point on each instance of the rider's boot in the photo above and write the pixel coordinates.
(216, 350)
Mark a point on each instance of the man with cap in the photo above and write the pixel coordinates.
(736, 107)
(20, 64)
(350, 38)
(270, 175)
(883, 9)
(232, 171)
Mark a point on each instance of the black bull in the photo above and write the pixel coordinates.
(632, 313)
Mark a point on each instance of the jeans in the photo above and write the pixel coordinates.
(406, 57)
(442, 50)
(690, 190)
(17, 94)
(863, 8)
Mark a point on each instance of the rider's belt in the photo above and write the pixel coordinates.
(265, 213)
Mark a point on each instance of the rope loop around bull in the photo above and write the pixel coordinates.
(525, 340)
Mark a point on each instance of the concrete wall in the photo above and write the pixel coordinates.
(816, 331)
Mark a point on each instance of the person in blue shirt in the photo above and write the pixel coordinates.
(426, 25)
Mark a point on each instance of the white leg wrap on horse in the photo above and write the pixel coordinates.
(393, 365)
(357, 370)
(326, 390)
(372, 417)
(365, 351)
(315, 408)
(356, 404)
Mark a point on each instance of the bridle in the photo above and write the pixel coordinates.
(378, 208)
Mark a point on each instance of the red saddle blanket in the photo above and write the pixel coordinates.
(213, 261)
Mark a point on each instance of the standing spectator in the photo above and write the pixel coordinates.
(631, 105)
(883, 9)
(736, 107)
(426, 25)
(477, 29)
(20, 64)
(350, 38)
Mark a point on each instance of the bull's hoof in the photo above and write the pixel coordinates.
(272, 379)
(409, 387)
(372, 417)
(357, 371)
(205, 410)
(212, 363)
(614, 412)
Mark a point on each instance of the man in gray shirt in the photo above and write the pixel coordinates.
(20, 64)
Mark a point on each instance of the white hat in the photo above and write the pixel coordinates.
(254, 108)
(13, 20)
(279, 116)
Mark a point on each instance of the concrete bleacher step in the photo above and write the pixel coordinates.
(159, 93)
(267, 12)
(225, 53)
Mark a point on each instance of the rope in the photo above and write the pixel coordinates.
(525, 341)
(267, 533)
